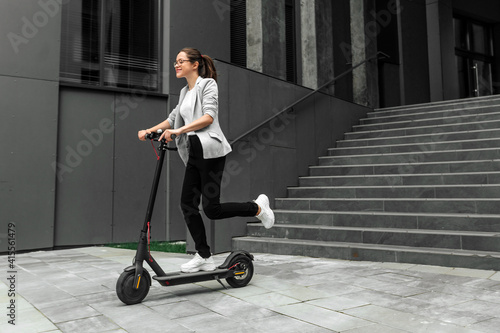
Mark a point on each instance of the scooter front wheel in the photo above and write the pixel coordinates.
(125, 287)
(243, 267)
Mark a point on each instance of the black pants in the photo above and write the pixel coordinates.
(202, 180)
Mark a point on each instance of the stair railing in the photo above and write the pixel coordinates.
(379, 55)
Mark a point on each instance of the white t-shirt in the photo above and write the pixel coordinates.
(187, 110)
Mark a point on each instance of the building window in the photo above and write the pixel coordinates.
(111, 43)
(474, 57)
(239, 32)
(291, 68)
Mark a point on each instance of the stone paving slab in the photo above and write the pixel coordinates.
(74, 291)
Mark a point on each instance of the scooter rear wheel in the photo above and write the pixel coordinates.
(244, 269)
(125, 287)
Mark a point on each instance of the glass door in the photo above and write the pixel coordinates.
(474, 55)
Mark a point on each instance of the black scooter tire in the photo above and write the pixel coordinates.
(243, 263)
(125, 287)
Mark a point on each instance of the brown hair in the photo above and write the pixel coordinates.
(206, 67)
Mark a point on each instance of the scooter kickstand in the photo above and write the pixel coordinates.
(222, 284)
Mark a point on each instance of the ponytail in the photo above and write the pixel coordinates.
(206, 67)
(207, 70)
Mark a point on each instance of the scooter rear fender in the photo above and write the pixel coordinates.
(225, 264)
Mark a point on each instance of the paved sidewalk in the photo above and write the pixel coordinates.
(74, 291)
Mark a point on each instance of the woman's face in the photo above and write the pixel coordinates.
(184, 67)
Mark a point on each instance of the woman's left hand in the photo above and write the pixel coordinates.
(167, 135)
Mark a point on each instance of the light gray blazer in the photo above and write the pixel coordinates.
(212, 139)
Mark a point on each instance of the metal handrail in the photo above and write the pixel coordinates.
(379, 55)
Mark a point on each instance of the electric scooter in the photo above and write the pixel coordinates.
(134, 283)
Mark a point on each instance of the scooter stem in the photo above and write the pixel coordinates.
(162, 148)
(142, 253)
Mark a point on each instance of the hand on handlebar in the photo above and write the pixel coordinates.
(142, 134)
(159, 136)
(169, 135)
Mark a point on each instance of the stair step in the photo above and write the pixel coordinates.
(491, 116)
(417, 146)
(372, 252)
(397, 205)
(428, 114)
(419, 220)
(423, 130)
(398, 191)
(403, 179)
(463, 103)
(489, 165)
(413, 157)
(463, 240)
(413, 184)
(422, 138)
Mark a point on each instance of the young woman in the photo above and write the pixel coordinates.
(203, 149)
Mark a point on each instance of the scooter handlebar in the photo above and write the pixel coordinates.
(156, 136)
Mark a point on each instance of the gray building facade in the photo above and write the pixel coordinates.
(80, 77)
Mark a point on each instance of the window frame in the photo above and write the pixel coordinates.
(102, 47)
(488, 56)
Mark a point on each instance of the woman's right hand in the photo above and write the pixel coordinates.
(142, 134)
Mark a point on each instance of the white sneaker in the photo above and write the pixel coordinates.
(198, 264)
(266, 213)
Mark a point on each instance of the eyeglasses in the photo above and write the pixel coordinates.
(180, 62)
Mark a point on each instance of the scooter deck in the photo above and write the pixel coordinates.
(176, 278)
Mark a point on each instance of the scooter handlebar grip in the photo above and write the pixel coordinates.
(173, 136)
(156, 136)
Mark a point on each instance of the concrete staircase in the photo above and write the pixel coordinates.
(413, 184)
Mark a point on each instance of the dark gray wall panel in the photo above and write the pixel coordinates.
(28, 126)
(204, 25)
(134, 166)
(241, 109)
(29, 70)
(84, 204)
(324, 118)
(305, 135)
(30, 41)
(103, 198)
(258, 98)
(284, 170)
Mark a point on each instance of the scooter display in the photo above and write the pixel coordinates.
(134, 282)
